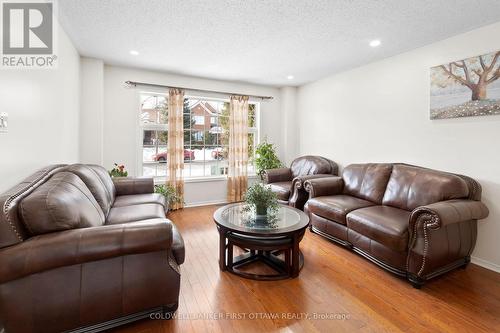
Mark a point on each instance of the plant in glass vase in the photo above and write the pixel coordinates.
(261, 198)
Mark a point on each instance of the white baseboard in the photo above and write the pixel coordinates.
(205, 203)
(486, 264)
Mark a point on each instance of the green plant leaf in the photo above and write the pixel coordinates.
(266, 157)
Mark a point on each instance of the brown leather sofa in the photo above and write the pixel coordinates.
(287, 183)
(81, 251)
(415, 222)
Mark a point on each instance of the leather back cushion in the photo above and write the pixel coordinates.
(99, 183)
(311, 165)
(63, 202)
(367, 181)
(12, 228)
(410, 187)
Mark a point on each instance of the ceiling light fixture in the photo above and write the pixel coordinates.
(134, 52)
(375, 43)
(289, 77)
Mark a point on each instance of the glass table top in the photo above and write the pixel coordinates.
(284, 219)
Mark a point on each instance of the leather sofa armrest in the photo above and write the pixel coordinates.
(431, 240)
(447, 212)
(318, 187)
(298, 182)
(77, 246)
(130, 185)
(277, 175)
(299, 196)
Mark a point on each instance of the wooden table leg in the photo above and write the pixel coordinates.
(287, 260)
(222, 248)
(295, 256)
(229, 254)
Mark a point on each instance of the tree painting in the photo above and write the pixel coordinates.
(465, 88)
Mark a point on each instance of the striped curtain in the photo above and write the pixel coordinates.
(175, 145)
(238, 148)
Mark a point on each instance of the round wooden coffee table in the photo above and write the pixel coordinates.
(262, 240)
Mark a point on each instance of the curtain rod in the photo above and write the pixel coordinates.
(135, 84)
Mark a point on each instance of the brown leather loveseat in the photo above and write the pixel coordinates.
(287, 183)
(79, 250)
(415, 222)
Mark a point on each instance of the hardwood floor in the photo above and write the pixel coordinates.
(334, 281)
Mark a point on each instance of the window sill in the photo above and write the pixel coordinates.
(205, 179)
(201, 179)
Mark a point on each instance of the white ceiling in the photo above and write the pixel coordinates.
(263, 41)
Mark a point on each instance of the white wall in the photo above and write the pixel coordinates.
(121, 135)
(43, 108)
(380, 112)
(91, 111)
(290, 127)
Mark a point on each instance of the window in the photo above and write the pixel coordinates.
(199, 120)
(206, 137)
(154, 135)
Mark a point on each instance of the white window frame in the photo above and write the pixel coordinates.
(196, 118)
(256, 130)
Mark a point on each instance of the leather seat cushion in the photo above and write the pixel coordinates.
(336, 207)
(135, 213)
(282, 189)
(139, 199)
(384, 224)
(63, 202)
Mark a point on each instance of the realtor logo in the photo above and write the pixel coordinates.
(28, 34)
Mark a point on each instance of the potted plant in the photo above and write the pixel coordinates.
(266, 158)
(118, 171)
(168, 191)
(261, 198)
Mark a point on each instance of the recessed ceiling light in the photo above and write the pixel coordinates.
(289, 77)
(375, 43)
(134, 52)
